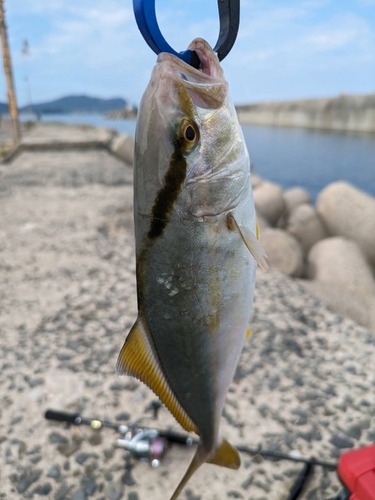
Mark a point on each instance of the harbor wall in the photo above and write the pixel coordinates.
(345, 113)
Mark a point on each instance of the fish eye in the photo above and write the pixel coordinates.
(189, 133)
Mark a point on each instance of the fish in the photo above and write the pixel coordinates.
(196, 248)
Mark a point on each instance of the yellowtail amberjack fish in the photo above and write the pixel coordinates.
(196, 249)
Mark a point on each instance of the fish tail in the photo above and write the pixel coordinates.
(224, 455)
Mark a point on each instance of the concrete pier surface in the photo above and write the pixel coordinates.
(354, 113)
(305, 381)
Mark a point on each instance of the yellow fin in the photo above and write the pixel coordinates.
(226, 456)
(138, 359)
(198, 459)
(253, 245)
(257, 229)
(248, 332)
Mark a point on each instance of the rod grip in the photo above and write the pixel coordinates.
(61, 416)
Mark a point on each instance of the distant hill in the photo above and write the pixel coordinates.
(77, 104)
(3, 108)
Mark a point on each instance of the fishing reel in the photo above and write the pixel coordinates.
(144, 445)
(140, 443)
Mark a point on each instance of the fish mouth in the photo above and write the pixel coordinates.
(206, 85)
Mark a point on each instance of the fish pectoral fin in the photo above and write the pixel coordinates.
(248, 332)
(257, 229)
(254, 246)
(139, 359)
(226, 456)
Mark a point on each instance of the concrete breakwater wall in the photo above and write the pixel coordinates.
(346, 112)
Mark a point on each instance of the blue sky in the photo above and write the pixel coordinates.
(285, 49)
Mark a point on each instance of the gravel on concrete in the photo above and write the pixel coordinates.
(305, 381)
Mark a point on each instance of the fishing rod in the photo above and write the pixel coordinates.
(356, 468)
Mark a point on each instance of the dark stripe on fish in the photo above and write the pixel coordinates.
(167, 195)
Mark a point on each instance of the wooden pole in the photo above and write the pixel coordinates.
(12, 101)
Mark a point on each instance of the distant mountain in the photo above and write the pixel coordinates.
(77, 104)
(3, 108)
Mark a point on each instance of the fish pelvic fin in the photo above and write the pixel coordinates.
(253, 245)
(225, 456)
(138, 359)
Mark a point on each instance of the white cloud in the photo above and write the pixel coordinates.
(94, 45)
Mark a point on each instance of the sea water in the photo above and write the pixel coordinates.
(287, 156)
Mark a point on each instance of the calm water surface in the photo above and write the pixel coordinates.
(288, 156)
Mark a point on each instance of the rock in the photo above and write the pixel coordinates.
(133, 495)
(122, 145)
(343, 301)
(114, 491)
(283, 250)
(54, 472)
(262, 223)
(256, 180)
(269, 202)
(338, 260)
(347, 211)
(56, 437)
(62, 491)
(44, 489)
(82, 457)
(248, 482)
(79, 495)
(295, 197)
(123, 416)
(26, 479)
(89, 485)
(341, 442)
(305, 225)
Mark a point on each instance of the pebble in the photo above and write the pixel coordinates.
(26, 479)
(56, 437)
(62, 491)
(133, 495)
(69, 448)
(82, 457)
(262, 485)
(190, 495)
(234, 494)
(248, 482)
(89, 485)
(54, 472)
(79, 495)
(123, 416)
(354, 431)
(44, 489)
(114, 490)
(341, 442)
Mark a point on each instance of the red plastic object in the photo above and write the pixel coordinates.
(357, 471)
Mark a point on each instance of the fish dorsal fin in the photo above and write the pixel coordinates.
(250, 241)
(138, 359)
(226, 456)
